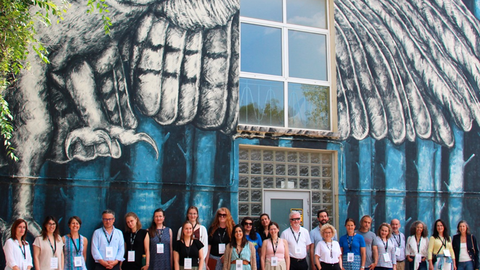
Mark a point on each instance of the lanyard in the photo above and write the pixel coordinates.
(350, 242)
(159, 236)
(187, 250)
(22, 250)
(239, 253)
(418, 245)
(55, 244)
(399, 241)
(221, 236)
(75, 245)
(111, 236)
(330, 248)
(274, 247)
(132, 239)
(296, 239)
(385, 246)
(444, 242)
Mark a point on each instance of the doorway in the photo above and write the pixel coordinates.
(279, 204)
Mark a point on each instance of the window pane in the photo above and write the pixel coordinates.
(307, 55)
(308, 106)
(261, 102)
(261, 49)
(307, 12)
(266, 9)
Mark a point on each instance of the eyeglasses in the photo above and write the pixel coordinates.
(295, 219)
(248, 223)
(52, 224)
(222, 215)
(108, 219)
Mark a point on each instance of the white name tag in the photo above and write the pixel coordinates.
(54, 263)
(398, 251)
(350, 257)
(78, 261)
(298, 250)
(131, 255)
(386, 257)
(418, 257)
(274, 261)
(109, 252)
(160, 248)
(187, 263)
(446, 252)
(221, 248)
(239, 264)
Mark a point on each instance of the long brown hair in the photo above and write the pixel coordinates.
(152, 230)
(183, 228)
(233, 240)
(56, 233)
(229, 222)
(13, 230)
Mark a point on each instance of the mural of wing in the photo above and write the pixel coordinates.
(406, 69)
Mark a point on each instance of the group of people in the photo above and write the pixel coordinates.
(230, 246)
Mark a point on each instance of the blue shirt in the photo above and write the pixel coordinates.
(352, 244)
(257, 244)
(101, 240)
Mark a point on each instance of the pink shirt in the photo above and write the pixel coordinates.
(280, 249)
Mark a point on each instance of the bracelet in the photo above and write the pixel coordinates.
(363, 267)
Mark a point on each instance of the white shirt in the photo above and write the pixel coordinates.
(297, 241)
(328, 252)
(14, 255)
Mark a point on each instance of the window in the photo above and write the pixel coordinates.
(285, 73)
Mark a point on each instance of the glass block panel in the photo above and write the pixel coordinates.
(268, 155)
(243, 167)
(315, 183)
(327, 172)
(255, 155)
(243, 155)
(280, 169)
(304, 183)
(256, 195)
(243, 209)
(303, 170)
(256, 209)
(292, 183)
(256, 182)
(327, 158)
(243, 181)
(303, 157)
(243, 195)
(268, 182)
(292, 170)
(327, 197)
(256, 168)
(315, 171)
(268, 168)
(316, 197)
(280, 156)
(314, 158)
(292, 157)
(279, 182)
(327, 184)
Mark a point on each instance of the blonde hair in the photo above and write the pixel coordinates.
(388, 227)
(327, 227)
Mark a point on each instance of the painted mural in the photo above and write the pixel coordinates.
(147, 117)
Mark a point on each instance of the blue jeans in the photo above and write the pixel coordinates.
(465, 265)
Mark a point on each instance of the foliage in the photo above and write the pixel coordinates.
(17, 34)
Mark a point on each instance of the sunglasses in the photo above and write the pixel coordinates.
(295, 219)
(222, 215)
(248, 223)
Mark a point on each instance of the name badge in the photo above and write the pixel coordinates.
(418, 258)
(109, 252)
(386, 257)
(239, 264)
(298, 250)
(78, 261)
(160, 248)
(54, 263)
(398, 251)
(187, 263)
(221, 248)
(274, 261)
(350, 257)
(446, 252)
(131, 255)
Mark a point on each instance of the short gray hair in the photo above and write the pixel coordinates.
(293, 213)
(108, 211)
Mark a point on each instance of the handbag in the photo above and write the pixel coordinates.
(434, 256)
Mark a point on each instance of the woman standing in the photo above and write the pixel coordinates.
(275, 254)
(252, 237)
(328, 255)
(75, 246)
(465, 248)
(239, 252)
(386, 248)
(48, 247)
(353, 248)
(264, 222)
(199, 231)
(16, 248)
(136, 244)
(440, 251)
(188, 252)
(219, 236)
(417, 246)
(159, 239)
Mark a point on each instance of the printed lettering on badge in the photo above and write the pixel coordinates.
(398, 251)
(446, 252)
(239, 264)
(78, 261)
(350, 257)
(109, 252)
(221, 248)
(187, 263)
(54, 263)
(160, 248)
(386, 257)
(131, 255)
(274, 261)
(298, 250)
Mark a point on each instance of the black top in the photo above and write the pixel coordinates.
(188, 252)
(138, 246)
(218, 237)
(262, 234)
(472, 249)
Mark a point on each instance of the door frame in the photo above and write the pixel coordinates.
(304, 195)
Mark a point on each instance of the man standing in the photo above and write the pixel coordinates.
(316, 236)
(399, 239)
(370, 242)
(299, 242)
(108, 244)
